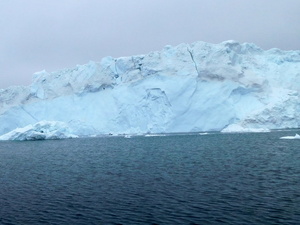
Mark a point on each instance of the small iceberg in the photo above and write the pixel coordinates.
(297, 136)
(155, 135)
(43, 130)
(205, 133)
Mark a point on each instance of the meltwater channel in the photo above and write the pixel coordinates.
(176, 179)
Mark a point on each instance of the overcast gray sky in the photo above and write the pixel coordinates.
(55, 34)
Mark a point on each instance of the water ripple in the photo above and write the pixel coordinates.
(211, 179)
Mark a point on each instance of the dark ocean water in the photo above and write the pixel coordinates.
(184, 179)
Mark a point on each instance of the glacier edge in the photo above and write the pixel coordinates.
(197, 87)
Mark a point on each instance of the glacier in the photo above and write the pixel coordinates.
(199, 87)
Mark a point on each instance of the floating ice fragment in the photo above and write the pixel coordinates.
(297, 136)
(127, 136)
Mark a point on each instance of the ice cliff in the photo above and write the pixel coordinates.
(197, 87)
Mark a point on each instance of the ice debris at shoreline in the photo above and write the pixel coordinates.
(235, 128)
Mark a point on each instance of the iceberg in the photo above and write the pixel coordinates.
(44, 130)
(297, 136)
(199, 87)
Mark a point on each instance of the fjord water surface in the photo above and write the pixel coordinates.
(181, 179)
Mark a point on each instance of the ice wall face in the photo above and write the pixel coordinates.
(197, 87)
